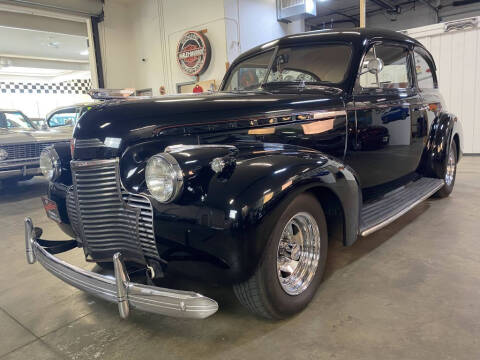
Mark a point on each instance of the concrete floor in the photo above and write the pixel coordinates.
(409, 291)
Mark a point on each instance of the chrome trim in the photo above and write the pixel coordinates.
(88, 143)
(57, 166)
(121, 280)
(388, 221)
(178, 183)
(33, 160)
(24, 171)
(29, 238)
(119, 289)
(80, 163)
(451, 167)
(298, 253)
(181, 147)
(27, 150)
(105, 216)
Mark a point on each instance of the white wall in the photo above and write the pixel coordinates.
(456, 54)
(139, 41)
(254, 22)
(116, 43)
(139, 38)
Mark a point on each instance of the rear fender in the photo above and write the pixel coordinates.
(445, 127)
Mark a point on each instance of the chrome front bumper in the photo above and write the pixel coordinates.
(6, 173)
(119, 289)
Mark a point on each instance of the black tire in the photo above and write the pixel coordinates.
(447, 189)
(262, 293)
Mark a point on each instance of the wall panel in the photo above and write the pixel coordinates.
(457, 55)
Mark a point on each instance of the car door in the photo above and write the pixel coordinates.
(387, 113)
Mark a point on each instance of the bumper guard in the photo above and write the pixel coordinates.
(118, 289)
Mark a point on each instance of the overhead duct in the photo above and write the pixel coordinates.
(72, 7)
(465, 2)
(291, 10)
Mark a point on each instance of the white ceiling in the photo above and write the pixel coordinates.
(42, 44)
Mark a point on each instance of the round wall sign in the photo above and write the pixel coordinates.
(193, 53)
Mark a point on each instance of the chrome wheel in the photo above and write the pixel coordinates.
(451, 164)
(298, 253)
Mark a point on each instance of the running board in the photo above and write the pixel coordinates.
(380, 213)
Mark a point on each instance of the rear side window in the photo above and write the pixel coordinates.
(424, 72)
(394, 74)
(66, 117)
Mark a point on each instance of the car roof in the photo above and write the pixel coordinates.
(353, 35)
(11, 110)
(78, 105)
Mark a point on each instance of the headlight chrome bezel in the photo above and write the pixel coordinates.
(56, 170)
(176, 175)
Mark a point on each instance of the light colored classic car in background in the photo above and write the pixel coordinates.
(21, 143)
(64, 118)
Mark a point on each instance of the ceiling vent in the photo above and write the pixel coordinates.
(459, 25)
(291, 10)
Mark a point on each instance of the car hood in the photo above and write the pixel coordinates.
(140, 119)
(22, 136)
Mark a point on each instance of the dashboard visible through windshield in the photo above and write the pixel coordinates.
(320, 64)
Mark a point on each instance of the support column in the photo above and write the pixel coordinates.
(363, 13)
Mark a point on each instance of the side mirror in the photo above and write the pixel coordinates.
(374, 66)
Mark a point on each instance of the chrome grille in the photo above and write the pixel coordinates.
(72, 212)
(25, 151)
(88, 143)
(108, 218)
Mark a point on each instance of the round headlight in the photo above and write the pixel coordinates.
(50, 164)
(164, 177)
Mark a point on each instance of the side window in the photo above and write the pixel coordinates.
(66, 117)
(394, 74)
(424, 72)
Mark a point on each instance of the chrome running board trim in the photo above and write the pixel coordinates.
(120, 290)
(383, 212)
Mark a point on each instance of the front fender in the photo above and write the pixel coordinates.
(266, 180)
(223, 219)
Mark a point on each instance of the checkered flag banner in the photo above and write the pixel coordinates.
(79, 86)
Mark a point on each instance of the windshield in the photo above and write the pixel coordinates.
(14, 120)
(323, 64)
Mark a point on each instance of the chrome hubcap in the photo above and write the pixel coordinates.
(298, 253)
(451, 163)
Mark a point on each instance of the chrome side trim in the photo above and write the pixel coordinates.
(391, 219)
(181, 147)
(119, 289)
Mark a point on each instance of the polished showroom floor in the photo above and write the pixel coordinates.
(410, 291)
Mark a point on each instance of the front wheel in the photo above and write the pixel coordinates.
(450, 172)
(293, 263)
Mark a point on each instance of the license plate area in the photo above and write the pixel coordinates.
(51, 209)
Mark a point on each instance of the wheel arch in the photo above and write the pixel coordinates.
(445, 130)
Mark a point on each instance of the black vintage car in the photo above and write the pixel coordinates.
(244, 187)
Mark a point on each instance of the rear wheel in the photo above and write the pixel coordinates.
(293, 263)
(450, 172)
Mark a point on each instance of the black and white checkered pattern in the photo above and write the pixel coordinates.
(79, 86)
